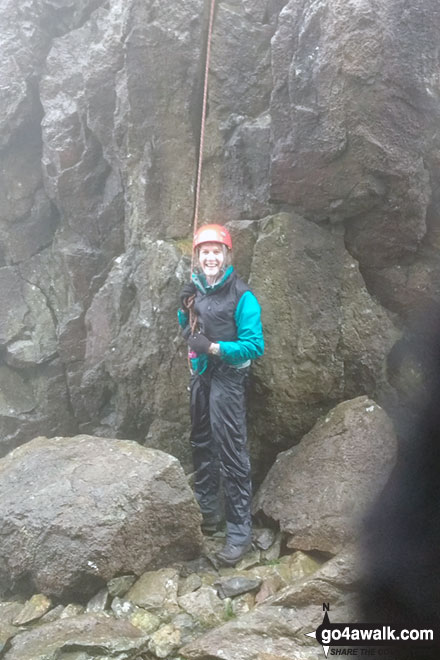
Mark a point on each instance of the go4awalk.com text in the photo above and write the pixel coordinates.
(372, 639)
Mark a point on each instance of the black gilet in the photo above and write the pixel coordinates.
(216, 311)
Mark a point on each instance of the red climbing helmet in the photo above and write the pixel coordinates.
(212, 234)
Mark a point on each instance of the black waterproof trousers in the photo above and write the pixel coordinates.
(219, 446)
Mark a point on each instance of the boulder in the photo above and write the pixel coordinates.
(76, 512)
(326, 337)
(116, 639)
(319, 490)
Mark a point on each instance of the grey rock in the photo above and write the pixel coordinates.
(79, 655)
(251, 558)
(331, 583)
(55, 613)
(285, 571)
(99, 602)
(16, 396)
(200, 566)
(327, 109)
(146, 621)
(115, 638)
(13, 305)
(188, 627)
(297, 566)
(263, 538)
(277, 628)
(30, 402)
(32, 220)
(8, 613)
(7, 632)
(272, 553)
(33, 609)
(156, 591)
(326, 463)
(9, 610)
(189, 584)
(238, 132)
(204, 606)
(316, 311)
(95, 524)
(119, 586)
(165, 641)
(330, 111)
(331, 129)
(71, 610)
(234, 586)
(122, 608)
(243, 604)
(271, 630)
(41, 346)
(145, 285)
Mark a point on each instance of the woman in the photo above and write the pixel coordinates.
(228, 337)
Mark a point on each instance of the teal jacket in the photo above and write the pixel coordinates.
(247, 316)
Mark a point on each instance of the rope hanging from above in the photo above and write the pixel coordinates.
(203, 124)
(192, 315)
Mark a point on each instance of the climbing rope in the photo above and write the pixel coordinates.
(203, 124)
(192, 316)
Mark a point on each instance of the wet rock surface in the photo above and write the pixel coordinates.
(200, 624)
(177, 604)
(317, 311)
(327, 111)
(322, 155)
(327, 463)
(76, 512)
(234, 586)
(86, 633)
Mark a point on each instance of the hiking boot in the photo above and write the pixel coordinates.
(231, 554)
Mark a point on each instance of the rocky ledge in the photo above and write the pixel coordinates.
(101, 553)
(259, 610)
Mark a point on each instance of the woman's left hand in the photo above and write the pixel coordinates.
(199, 343)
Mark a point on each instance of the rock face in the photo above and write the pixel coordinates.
(326, 111)
(77, 511)
(317, 311)
(319, 490)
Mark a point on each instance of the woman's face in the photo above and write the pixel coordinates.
(211, 259)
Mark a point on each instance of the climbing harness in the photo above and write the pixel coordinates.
(192, 315)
